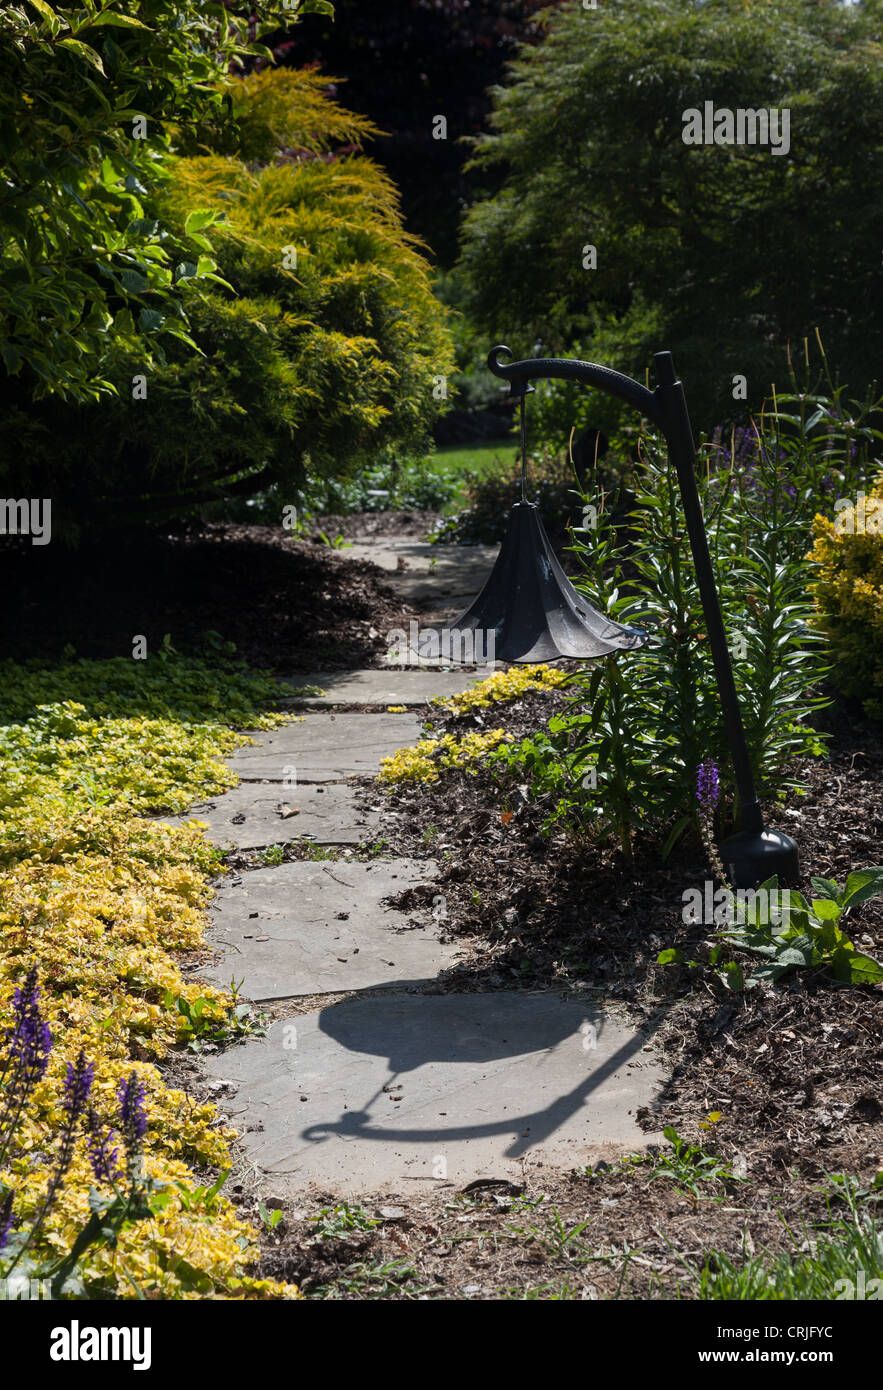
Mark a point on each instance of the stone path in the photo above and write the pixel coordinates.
(438, 577)
(396, 1086)
(398, 1091)
(256, 815)
(323, 747)
(305, 929)
(410, 687)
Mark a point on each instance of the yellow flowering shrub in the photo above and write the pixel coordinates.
(502, 686)
(848, 589)
(424, 761)
(99, 900)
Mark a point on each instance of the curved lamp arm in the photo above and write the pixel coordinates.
(570, 368)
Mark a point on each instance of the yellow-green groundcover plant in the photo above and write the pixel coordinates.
(102, 900)
(424, 761)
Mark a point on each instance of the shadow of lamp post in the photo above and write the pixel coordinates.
(537, 615)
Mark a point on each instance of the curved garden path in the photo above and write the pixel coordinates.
(379, 1070)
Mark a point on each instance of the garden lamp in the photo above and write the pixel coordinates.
(537, 615)
(528, 602)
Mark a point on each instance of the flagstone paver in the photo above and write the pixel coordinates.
(320, 928)
(324, 747)
(257, 814)
(415, 1090)
(393, 686)
(431, 572)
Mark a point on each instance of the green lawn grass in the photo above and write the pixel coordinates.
(458, 462)
(477, 458)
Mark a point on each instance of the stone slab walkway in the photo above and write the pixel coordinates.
(257, 814)
(395, 686)
(322, 928)
(400, 1091)
(418, 570)
(438, 580)
(323, 747)
(394, 1087)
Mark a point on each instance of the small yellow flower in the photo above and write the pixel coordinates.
(502, 686)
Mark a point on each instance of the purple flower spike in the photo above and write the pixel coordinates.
(101, 1156)
(133, 1119)
(77, 1085)
(29, 1039)
(5, 1218)
(707, 785)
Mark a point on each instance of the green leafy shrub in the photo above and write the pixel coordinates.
(318, 344)
(92, 102)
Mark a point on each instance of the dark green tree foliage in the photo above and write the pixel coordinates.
(92, 100)
(725, 252)
(406, 62)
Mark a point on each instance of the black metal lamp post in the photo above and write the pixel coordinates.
(754, 853)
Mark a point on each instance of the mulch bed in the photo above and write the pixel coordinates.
(483, 1245)
(287, 604)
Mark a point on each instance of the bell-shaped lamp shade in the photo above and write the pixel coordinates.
(532, 608)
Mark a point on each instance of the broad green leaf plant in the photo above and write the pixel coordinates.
(792, 933)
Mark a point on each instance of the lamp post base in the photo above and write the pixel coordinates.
(752, 856)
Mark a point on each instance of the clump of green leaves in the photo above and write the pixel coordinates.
(791, 933)
(271, 1216)
(689, 1164)
(202, 1023)
(341, 1219)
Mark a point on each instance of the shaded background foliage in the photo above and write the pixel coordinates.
(723, 253)
(414, 60)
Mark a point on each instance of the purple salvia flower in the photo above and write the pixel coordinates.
(707, 794)
(102, 1158)
(77, 1085)
(133, 1119)
(5, 1218)
(28, 1039)
(707, 785)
